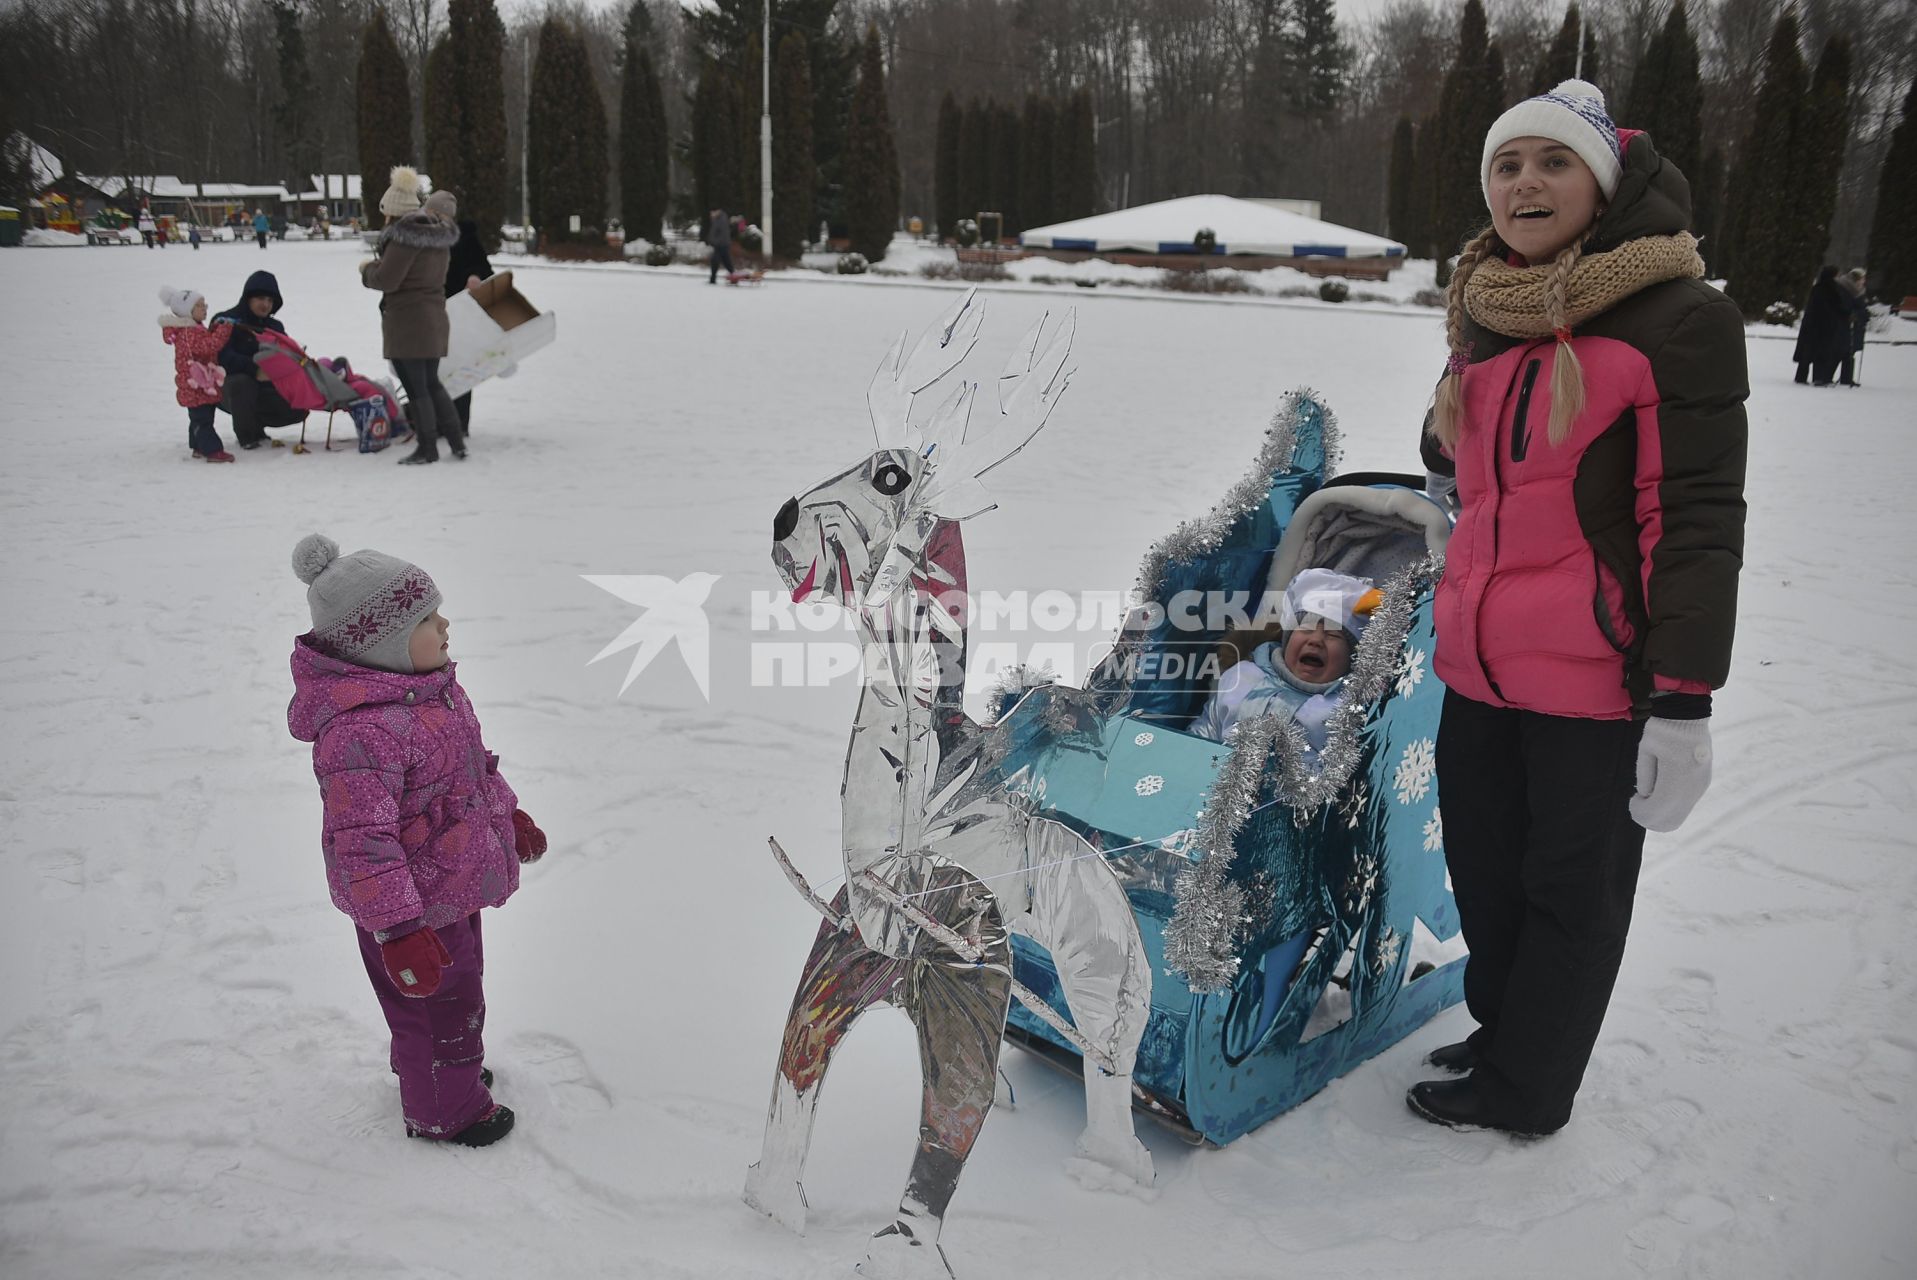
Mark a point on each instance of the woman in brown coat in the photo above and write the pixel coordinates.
(410, 272)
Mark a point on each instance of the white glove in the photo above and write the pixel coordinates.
(1673, 772)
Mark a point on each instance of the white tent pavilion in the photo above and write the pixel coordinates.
(1243, 227)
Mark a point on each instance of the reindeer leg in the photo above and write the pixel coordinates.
(959, 1011)
(842, 979)
(1080, 914)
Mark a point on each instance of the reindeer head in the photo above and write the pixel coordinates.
(860, 535)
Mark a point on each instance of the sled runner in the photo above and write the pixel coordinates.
(1294, 904)
(311, 384)
(756, 276)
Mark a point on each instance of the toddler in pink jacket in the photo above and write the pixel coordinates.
(420, 830)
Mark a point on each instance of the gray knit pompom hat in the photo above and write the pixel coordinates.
(364, 605)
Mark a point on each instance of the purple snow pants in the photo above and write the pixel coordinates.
(436, 1040)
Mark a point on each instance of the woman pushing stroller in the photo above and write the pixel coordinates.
(1592, 411)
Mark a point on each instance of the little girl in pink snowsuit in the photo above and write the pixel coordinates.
(197, 375)
(420, 831)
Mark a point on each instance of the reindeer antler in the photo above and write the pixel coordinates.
(900, 378)
(1029, 388)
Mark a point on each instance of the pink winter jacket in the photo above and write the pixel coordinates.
(197, 376)
(417, 823)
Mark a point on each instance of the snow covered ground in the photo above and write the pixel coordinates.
(192, 1071)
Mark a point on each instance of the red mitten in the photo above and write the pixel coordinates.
(528, 839)
(416, 962)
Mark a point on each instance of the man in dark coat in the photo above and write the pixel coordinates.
(252, 400)
(467, 266)
(1823, 336)
(719, 236)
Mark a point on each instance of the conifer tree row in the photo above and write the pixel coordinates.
(644, 162)
(566, 137)
(945, 165)
(1468, 105)
(871, 158)
(794, 172)
(1667, 97)
(1893, 234)
(385, 110)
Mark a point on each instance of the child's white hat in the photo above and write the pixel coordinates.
(1338, 598)
(180, 301)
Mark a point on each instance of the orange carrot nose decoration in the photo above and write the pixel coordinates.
(1368, 603)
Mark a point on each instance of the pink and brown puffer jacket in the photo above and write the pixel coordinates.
(417, 824)
(197, 375)
(1586, 576)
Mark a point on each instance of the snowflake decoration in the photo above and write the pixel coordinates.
(1149, 785)
(1412, 781)
(1410, 671)
(1434, 831)
(1142, 740)
(1387, 952)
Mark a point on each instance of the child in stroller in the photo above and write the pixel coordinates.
(1296, 664)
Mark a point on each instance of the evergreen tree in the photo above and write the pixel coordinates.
(1561, 58)
(1827, 127)
(974, 162)
(1404, 162)
(1424, 191)
(1075, 154)
(1320, 60)
(1893, 232)
(1667, 97)
(476, 43)
(720, 30)
(1470, 102)
(750, 103)
(566, 136)
(871, 158)
(945, 166)
(1707, 206)
(794, 176)
(291, 118)
(1035, 163)
(644, 165)
(385, 110)
(1757, 253)
(444, 162)
(1005, 144)
(717, 177)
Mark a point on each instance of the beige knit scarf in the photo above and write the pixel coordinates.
(1515, 301)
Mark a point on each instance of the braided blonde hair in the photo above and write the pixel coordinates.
(1567, 374)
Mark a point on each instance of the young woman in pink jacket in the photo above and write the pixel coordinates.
(419, 831)
(1592, 412)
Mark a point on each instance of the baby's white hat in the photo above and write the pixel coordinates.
(1338, 598)
(179, 301)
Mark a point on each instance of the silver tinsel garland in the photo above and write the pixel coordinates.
(1202, 940)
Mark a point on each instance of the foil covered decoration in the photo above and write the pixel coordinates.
(928, 828)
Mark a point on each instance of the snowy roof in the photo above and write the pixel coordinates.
(331, 186)
(42, 164)
(165, 186)
(1242, 226)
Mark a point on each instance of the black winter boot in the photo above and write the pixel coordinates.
(419, 457)
(1458, 1104)
(1458, 1059)
(483, 1132)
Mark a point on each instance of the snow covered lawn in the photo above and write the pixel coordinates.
(192, 1071)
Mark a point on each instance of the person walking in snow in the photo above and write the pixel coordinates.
(262, 225)
(197, 375)
(719, 236)
(146, 226)
(1592, 412)
(410, 273)
(419, 828)
(1824, 331)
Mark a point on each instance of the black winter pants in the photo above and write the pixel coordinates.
(428, 407)
(1544, 860)
(255, 406)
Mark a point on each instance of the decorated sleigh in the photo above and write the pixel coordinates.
(1295, 906)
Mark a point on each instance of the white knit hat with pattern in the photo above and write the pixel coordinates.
(1573, 114)
(365, 605)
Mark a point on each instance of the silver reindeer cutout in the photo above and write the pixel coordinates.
(941, 860)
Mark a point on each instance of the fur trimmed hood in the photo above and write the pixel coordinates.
(420, 230)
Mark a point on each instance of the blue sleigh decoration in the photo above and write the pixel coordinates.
(1294, 907)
